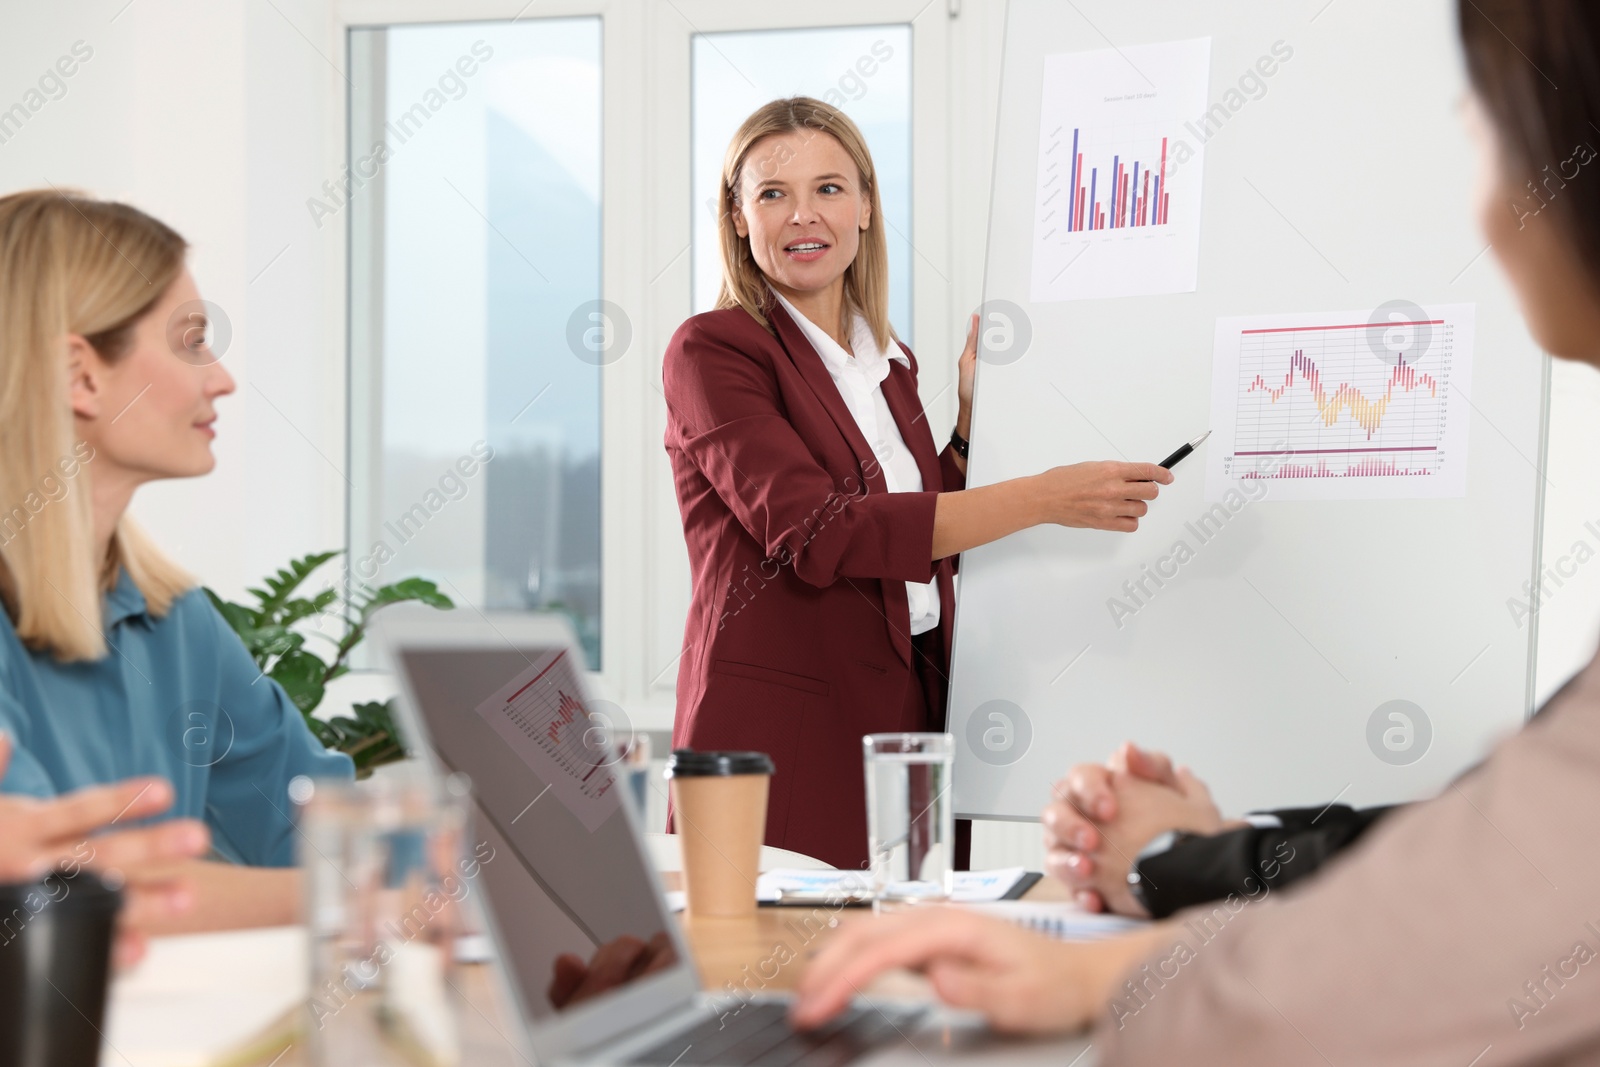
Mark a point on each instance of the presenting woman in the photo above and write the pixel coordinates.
(822, 520)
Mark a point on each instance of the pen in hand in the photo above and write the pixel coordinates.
(1183, 451)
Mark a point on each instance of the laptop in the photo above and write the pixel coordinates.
(594, 965)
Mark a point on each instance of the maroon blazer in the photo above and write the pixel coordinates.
(798, 639)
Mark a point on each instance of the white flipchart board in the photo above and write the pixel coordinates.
(1346, 182)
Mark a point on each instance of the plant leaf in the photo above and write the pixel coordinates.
(268, 631)
(270, 641)
(410, 589)
(287, 580)
(300, 673)
(239, 617)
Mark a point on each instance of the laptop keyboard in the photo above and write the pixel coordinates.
(760, 1036)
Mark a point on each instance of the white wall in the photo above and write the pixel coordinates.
(222, 118)
(213, 117)
(1569, 616)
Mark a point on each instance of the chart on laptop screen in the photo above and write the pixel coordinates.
(541, 716)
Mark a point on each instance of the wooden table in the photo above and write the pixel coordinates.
(743, 950)
(763, 953)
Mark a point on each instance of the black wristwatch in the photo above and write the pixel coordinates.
(959, 443)
(1142, 880)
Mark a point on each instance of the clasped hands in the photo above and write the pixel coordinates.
(1102, 815)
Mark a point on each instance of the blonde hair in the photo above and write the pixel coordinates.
(866, 279)
(69, 265)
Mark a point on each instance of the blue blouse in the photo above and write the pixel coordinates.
(177, 697)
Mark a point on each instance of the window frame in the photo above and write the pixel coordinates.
(646, 48)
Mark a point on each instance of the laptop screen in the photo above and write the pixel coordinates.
(577, 913)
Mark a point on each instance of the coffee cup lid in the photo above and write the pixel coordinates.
(687, 763)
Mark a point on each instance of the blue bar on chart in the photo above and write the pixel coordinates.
(1137, 198)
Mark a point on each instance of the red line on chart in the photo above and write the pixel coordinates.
(536, 677)
(1349, 326)
(1336, 451)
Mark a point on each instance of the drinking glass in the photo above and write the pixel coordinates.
(910, 819)
(384, 884)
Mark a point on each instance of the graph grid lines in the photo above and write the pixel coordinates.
(1347, 400)
(557, 722)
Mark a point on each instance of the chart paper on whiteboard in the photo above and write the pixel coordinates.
(1117, 204)
(1355, 405)
(539, 715)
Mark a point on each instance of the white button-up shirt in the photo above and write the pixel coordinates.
(859, 379)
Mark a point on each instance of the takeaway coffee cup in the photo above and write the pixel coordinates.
(55, 959)
(720, 805)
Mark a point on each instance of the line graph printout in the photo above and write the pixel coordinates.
(1117, 199)
(541, 718)
(1356, 405)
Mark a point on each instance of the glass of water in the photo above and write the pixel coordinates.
(385, 887)
(910, 818)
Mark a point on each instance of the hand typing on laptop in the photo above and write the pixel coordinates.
(1019, 981)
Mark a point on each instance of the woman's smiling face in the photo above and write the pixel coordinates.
(802, 207)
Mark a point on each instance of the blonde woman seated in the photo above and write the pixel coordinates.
(113, 664)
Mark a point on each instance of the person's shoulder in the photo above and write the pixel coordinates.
(901, 346)
(724, 334)
(731, 326)
(193, 613)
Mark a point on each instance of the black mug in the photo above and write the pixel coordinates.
(55, 962)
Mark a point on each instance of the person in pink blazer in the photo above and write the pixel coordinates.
(822, 520)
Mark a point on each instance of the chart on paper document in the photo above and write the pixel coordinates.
(540, 715)
(1343, 405)
(1117, 199)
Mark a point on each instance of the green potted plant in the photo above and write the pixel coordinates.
(277, 627)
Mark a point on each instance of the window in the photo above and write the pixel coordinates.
(863, 70)
(517, 267)
(476, 328)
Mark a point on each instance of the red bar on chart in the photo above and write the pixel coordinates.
(1136, 191)
(1072, 196)
(1078, 194)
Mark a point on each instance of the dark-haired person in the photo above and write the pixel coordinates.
(822, 522)
(1461, 930)
(113, 665)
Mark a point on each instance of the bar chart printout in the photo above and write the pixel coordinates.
(1343, 405)
(1117, 205)
(543, 720)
